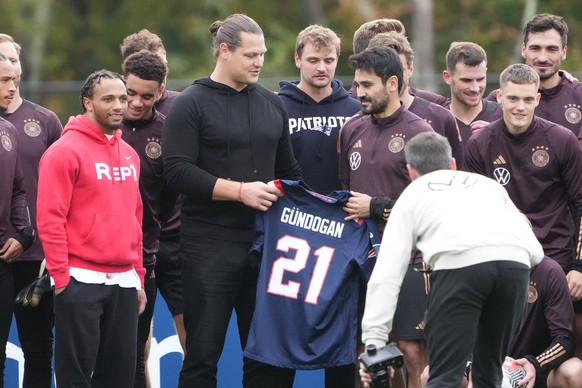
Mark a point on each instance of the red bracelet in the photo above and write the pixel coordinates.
(240, 191)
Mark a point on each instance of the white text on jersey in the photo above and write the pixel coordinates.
(311, 222)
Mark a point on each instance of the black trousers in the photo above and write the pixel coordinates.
(35, 329)
(216, 278)
(476, 309)
(95, 336)
(144, 325)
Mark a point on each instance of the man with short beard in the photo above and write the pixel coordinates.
(466, 74)
(545, 39)
(440, 119)
(16, 233)
(545, 43)
(372, 165)
(37, 128)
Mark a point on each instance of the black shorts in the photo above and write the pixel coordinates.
(578, 307)
(169, 274)
(409, 315)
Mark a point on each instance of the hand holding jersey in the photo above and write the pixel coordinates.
(258, 195)
(358, 206)
(363, 206)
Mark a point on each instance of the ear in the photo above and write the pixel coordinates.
(223, 50)
(523, 50)
(297, 60)
(498, 95)
(538, 97)
(160, 90)
(411, 68)
(412, 173)
(392, 84)
(447, 77)
(564, 52)
(87, 104)
(453, 164)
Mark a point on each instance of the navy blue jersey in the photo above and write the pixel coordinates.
(311, 264)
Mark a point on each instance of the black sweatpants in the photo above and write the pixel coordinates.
(95, 336)
(475, 309)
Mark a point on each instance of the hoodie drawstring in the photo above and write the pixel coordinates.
(251, 131)
(228, 135)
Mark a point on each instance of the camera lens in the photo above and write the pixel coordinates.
(381, 379)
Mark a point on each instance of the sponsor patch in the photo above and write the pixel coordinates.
(502, 175)
(355, 160)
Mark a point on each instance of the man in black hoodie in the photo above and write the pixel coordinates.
(225, 138)
(318, 106)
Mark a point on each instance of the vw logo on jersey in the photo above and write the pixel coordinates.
(355, 160)
(6, 142)
(573, 114)
(501, 175)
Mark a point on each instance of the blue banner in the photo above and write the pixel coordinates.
(165, 358)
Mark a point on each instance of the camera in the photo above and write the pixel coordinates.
(377, 361)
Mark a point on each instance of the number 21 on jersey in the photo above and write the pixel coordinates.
(296, 264)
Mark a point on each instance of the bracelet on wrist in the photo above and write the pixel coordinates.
(240, 191)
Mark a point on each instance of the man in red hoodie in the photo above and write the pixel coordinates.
(89, 220)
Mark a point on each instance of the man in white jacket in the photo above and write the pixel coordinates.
(479, 248)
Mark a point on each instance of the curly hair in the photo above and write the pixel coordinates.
(145, 65)
(141, 40)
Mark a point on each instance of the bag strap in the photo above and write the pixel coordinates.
(42, 268)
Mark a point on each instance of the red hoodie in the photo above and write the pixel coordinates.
(89, 208)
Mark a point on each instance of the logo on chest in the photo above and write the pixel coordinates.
(6, 142)
(572, 113)
(501, 175)
(396, 143)
(355, 160)
(153, 149)
(540, 156)
(32, 127)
